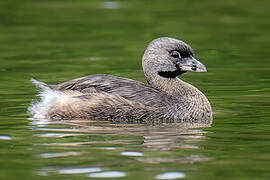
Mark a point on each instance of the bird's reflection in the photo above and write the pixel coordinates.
(153, 137)
(137, 141)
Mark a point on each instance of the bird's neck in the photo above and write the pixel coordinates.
(171, 86)
(189, 101)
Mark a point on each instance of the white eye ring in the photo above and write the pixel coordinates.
(175, 54)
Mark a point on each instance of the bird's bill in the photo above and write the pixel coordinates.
(191, 64)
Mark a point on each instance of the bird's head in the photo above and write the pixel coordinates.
(169, 57)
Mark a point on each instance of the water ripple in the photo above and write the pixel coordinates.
(107, 174)
(61, 154)
(131, 153)
(111, 5)
(171, 175)
(79, 170)
(5, 137)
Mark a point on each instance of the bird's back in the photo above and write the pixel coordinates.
(101, 97)
(127, 88)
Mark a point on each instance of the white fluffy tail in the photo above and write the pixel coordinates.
(48, 98)
(40, 84)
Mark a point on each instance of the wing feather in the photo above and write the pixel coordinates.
(127, 88)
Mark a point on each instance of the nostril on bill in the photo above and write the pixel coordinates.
(194, 67)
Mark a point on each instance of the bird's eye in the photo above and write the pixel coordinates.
(175, 54)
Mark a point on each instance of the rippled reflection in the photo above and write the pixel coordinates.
(5, 137)
(111, 4)
(171, 175)
(83, 146)
(109, 148)
(57, 135)
(79, 170)
(107, 174)
(152, 137)
(61, 154)
(132, 153)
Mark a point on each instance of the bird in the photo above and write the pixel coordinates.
(165, 97)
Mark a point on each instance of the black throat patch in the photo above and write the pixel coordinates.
(171, 74)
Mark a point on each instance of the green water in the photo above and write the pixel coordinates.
(55, 41)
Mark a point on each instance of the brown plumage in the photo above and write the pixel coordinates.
(165, 98)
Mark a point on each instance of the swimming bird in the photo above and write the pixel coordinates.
(106, 97)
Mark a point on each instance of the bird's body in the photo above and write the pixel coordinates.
(108, 97)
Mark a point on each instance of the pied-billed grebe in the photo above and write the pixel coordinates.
(108, 97)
